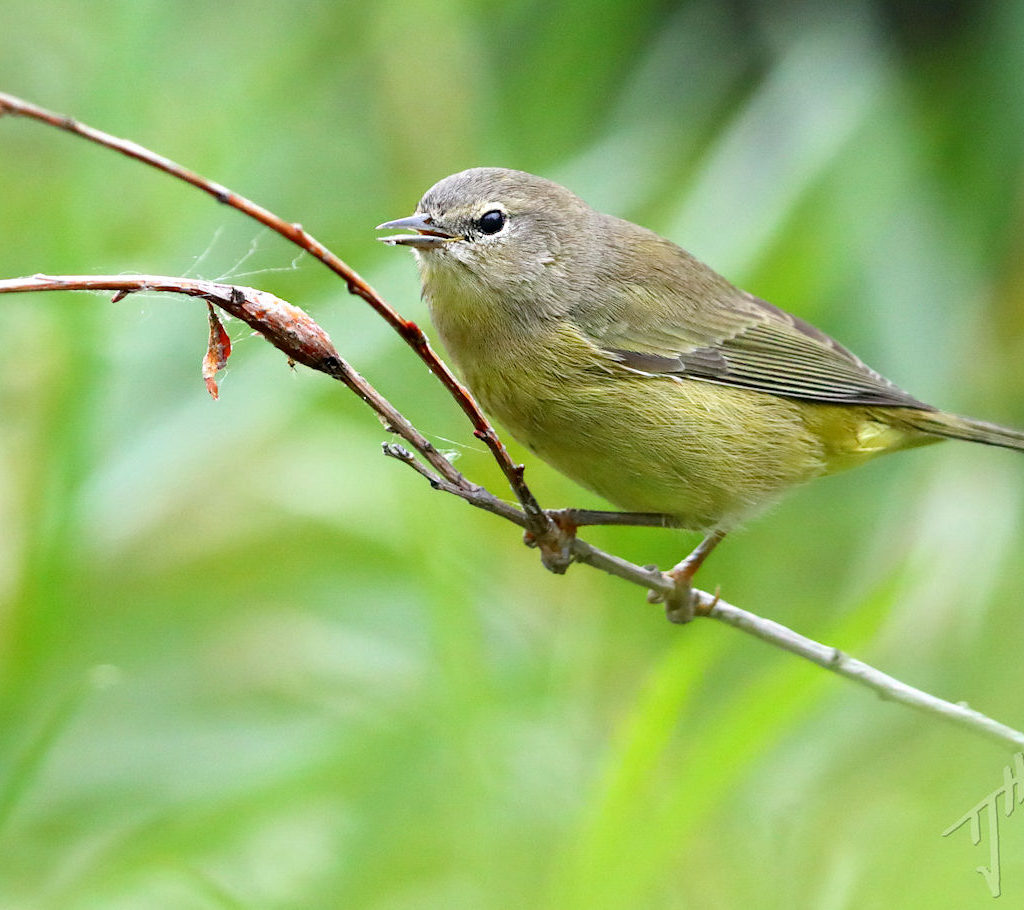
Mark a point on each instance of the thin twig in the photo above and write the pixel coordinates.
(887, 687)
(409, 331)
(287, 327)
(475, 495)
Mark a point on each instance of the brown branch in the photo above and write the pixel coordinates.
(285, 326)
(409, 331)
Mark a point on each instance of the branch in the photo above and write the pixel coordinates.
(296, 334)
(409, 331)
(888, 688)
(287, 327)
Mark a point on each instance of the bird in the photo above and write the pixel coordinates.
(641, 373)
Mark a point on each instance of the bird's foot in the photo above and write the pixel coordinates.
(681, 602)
(555, 542)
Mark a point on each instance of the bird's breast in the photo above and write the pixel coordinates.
(707, 454)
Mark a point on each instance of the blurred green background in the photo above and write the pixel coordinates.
(245, 661)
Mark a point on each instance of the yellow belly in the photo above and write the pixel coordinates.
(709, 454)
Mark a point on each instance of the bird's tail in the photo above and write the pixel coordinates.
(952, 426)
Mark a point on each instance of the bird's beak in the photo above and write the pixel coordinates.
(428, 236)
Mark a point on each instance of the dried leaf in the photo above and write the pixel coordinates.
(217, 352)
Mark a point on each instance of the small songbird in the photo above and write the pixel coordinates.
(640, 372)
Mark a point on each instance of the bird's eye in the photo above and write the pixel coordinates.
(491, 222)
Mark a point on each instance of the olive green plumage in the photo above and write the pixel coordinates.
(637, 370)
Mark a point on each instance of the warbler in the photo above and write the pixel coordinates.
(637, 370)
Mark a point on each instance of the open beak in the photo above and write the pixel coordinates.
(427, 235)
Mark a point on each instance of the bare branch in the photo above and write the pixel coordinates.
(285, 326)
(409, 331)
(888, 687)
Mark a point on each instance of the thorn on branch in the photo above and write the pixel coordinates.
(119, 296)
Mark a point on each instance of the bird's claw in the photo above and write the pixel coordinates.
(680, 605)
(681, 602)
(554, 542)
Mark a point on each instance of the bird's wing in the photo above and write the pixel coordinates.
(744, 342)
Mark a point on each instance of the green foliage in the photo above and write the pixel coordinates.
(245, 661)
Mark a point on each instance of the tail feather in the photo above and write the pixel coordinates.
(939, 423)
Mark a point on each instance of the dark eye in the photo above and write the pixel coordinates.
(491, 222)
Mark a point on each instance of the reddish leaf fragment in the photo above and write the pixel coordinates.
(285, 326)
(217, 353)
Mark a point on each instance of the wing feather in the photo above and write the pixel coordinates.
(655, 308)
(751, 344)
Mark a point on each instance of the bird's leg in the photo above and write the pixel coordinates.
(555, 546)
(578, 518)
(679, 605)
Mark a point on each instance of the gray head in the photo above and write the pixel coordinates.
(500, 230)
